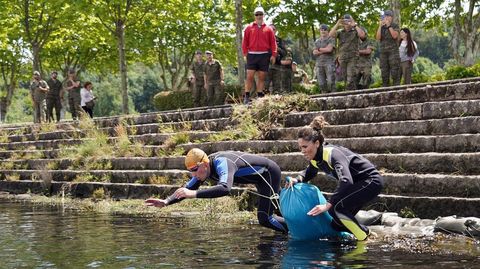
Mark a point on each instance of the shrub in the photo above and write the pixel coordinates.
(169, 100)
(455, 72)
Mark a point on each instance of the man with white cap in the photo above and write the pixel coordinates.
(260, 48)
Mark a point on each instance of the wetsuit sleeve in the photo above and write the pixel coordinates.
(341, 165)
(225, 170)
(192, 184)
(309, 173)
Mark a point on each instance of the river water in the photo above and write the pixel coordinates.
(34, 236)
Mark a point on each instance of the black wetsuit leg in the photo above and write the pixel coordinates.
(358, 195)
(265, 206)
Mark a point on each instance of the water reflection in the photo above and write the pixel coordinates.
(41, 237)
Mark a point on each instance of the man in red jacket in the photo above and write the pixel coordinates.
(260, 49)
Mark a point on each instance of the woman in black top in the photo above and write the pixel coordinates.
(358, 180)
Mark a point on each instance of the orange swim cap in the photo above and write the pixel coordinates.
(195, 156)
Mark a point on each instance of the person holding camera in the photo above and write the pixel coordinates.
(324, 54)
(348, 41)
(388, 33)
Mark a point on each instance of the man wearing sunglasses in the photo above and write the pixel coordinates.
(226, 168)
(260, 48)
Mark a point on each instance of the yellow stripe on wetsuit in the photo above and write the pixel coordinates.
(352, 227)
(327, 157)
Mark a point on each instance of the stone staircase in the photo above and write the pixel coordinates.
(423, 138)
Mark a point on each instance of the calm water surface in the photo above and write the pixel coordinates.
(45, 237)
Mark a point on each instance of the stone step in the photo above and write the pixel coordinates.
(362, 145)
(422, 206)
(152, 139)
(194, 114)
(398, 184)
(447, 126)
(460, 90)
(411, 184)
(422, 111)
(445, 163)
(114, 176)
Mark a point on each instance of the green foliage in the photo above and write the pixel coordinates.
(455, 72)
(99, 194)
(169, 100)
(407, 212)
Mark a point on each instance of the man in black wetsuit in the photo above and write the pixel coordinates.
(227, 167)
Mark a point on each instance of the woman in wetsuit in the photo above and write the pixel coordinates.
(227, 167)
(358, 180)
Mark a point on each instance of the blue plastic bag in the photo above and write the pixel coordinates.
(295, 202)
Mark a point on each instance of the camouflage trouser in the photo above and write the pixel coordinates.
(39, 111)
(364, 77)
(349, 67)
(326, 77)
(390, 65)
(275, 77)
(287, 80)
(406, 72)
(215, 94)
(53, 102)
(198, 94)
(74, 101)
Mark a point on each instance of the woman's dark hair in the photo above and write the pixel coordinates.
(86, 84)
(410, 45)
(313, 132)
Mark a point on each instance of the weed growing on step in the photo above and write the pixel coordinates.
(159, 180)
(407, 212)
(221, 211)
(99, 194)
(52, 165)
(12, 177)
(6, 165)
(4, 136)
(47, 127)
(84, 177)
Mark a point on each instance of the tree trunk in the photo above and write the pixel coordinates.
(36, 58)
(122, 63)
(239, 30)
(465, 42)
(10, 85)
(396, 7)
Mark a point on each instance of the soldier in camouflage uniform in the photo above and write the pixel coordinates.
(287, 71)
(324, 53)
(54, 97)
(364, 75)
(275, 72)
(387, 34)
(38, 92)
(348, 39)
(214, 80)
(198, 68)
(72, 86)
(299, 76)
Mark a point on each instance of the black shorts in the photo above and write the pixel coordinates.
(258, 62)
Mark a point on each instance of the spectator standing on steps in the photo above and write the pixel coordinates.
(388, 34)
(408, 53)
(214, 80)
(54, 97)
(73, 86)
(324, 54)
(198, 68)
(348, 40)
(38, 92)
(260, 49)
